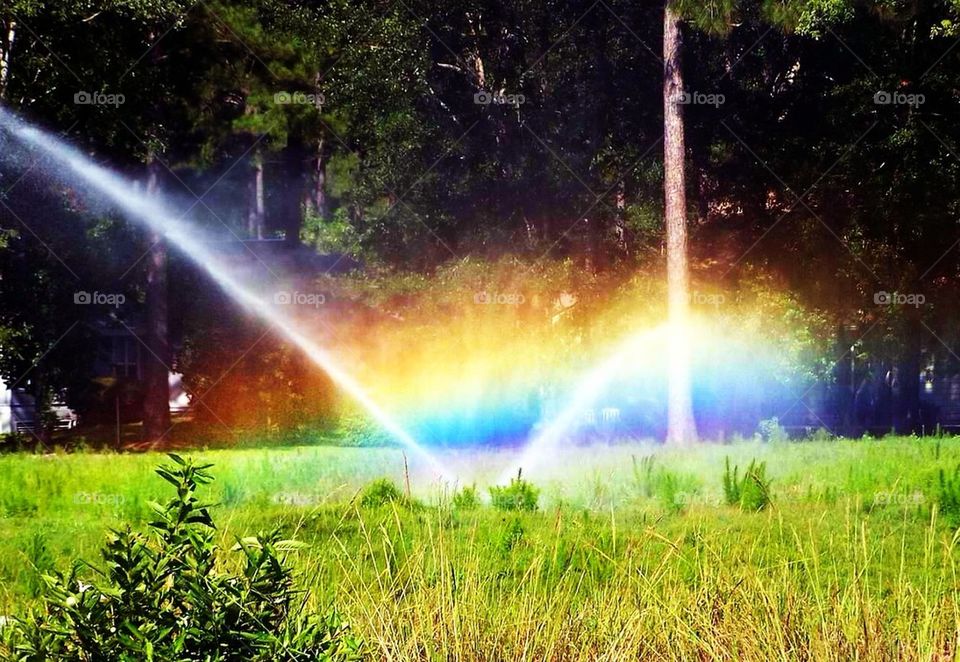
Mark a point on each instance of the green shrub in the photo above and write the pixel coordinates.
(164, 596)
(821, 435)
(466, 499)
(752, 491)
(673, 491)
(668, 490)
(510, 536)
(948, 496)
(381, 492)
(643, 474)
(518, 495)
(38, 555)
(770, 430)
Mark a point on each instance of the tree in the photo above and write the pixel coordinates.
(681, 428)
(8, 33)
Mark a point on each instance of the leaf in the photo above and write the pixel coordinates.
(169, 477)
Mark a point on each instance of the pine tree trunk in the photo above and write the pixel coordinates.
(289, 206)
(8, 32)
(908, 418)
(156, 387)
(316, 195)
(41, 407)
(255, 199)
(681, 429)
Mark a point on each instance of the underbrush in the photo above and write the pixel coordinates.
(162, 596)
(851, 557)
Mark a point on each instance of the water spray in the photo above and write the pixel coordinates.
(154, 214)
(588, 390)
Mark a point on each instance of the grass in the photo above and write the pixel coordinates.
(632, 551)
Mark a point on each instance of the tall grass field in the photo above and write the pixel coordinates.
(818, 550)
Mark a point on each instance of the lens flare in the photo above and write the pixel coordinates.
(637, 350)
(152, 213)
(495, 353)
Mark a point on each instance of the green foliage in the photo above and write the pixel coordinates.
(671, 489)
(669, 492)
(466, 498)
(632, 574)
(643, 474)
(817, 16)
(948, 495)
(41, 562)
(752, 491)
(510, 535)
(519, 495)
(331, 235)
(770, 430)
(164, 596)
(381, 492)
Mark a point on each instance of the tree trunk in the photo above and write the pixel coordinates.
(41, 407)
(156, 387)
(8, 32)
(620, 220)
(604, 90)
(316, 196)
(908, 418)
(681, 429)
(255, 200)
(289, 206)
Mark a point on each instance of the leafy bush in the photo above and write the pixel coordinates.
(822, 435)
(672, 497)
(466, 499)
(380, 493)
(752, 491)
(643, 474)
(948, 496)
(14, 442)
(162, 596)
(40, 559)
(518, 495)
(673, 491)
(510, 536)
(770, 430)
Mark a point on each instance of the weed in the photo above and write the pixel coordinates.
(643, 474)
(162, 596)
(518, 495)
(381, 492)
(771, 431)
(752, 491)
(948, 496)
(40, 560)
(510, 536)
(466, 499)
(669, 493)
